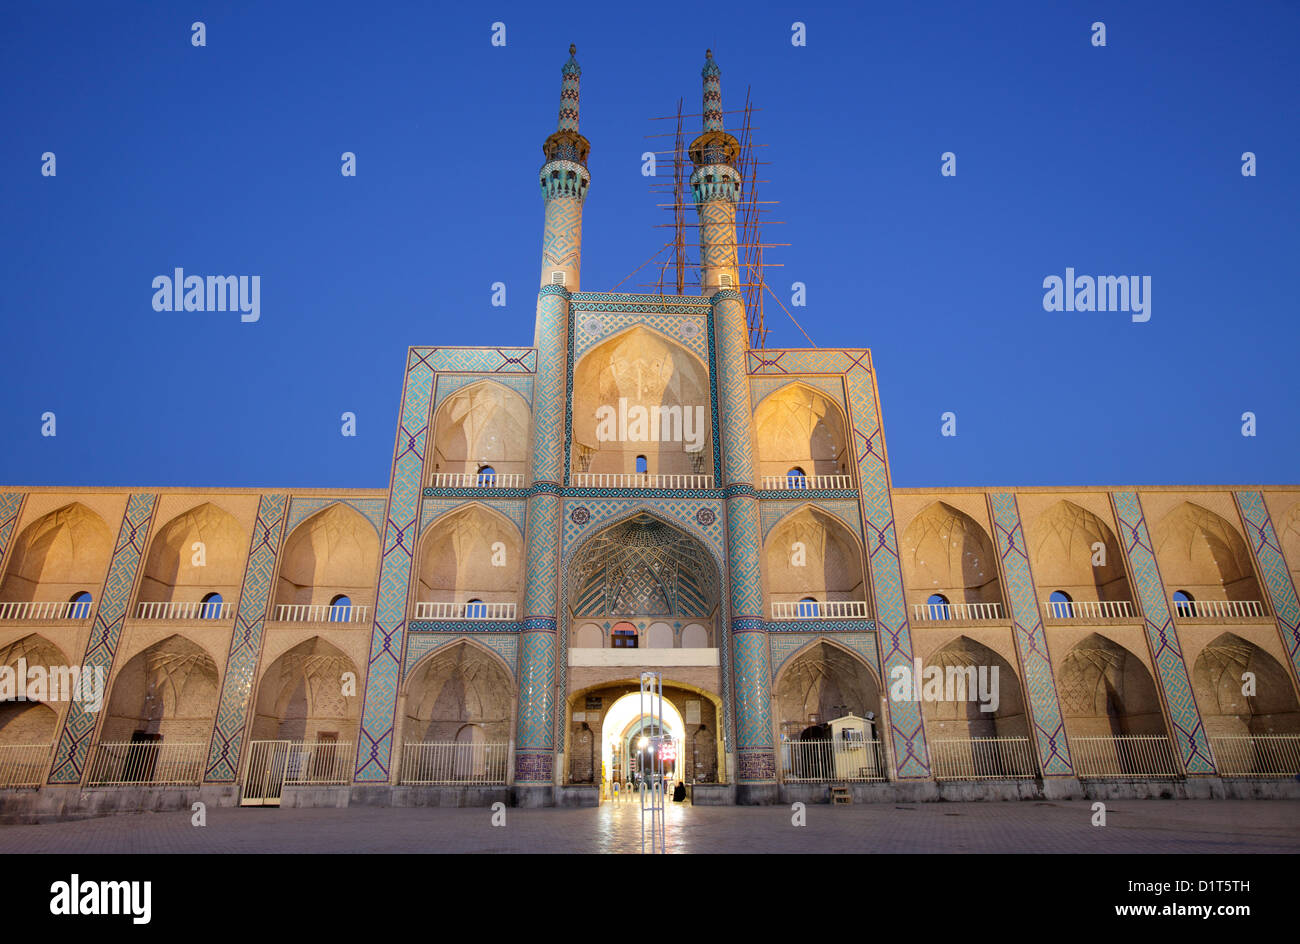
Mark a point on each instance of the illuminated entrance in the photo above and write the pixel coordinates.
(625, 740)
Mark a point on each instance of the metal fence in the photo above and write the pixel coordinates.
(434, 763)
(321, 613)
(426, 610)
(1218, 609)
(957, 611)
(1259, 755)
(192, 610)
(1144, 757)
(793, 481)
(1088, 609)
(819, 609)
(45, 610)
(146, 763)
(831, 761)
(24, 765)
(997, 758)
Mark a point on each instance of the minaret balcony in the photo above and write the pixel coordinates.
(639, 480)
(472, 610)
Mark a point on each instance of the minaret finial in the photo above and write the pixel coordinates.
(573, 49)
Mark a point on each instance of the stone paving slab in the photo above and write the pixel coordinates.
(1135, 826)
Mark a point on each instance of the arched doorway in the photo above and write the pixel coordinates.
(627, 729)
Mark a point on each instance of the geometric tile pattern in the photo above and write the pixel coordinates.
(246, 642)
(1162, 637)
(1031, 642)
(462, 626)
(595, 327)
(549, 459)
(760, 387)
(753, 697)
(536, 703)
(743, 552)
(110, 614)
(816, 626)
(450, 383)
(1272, 566)
(300, 509)
(542, 581)
(787, 644)
(433, 508)
(506, 645)
(848, 512)
(664, 304)
(379, 706)
(893, 632)
(488, 360)
(10, 504)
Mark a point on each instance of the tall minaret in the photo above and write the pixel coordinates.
(564, 181)
(715, 185)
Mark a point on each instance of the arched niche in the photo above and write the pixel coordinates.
(1065, 541)
(811, 554)
(639, 394)
(59, 555)
(482, 424)
(471, 553)
(980, 693)
(335, 551)
(174, 571)
(1201, 553)
(945, 551)
(799, 427)
(169, 690)
(457, 686)
(822, 683)
(1106, 691)
(1243, 691)
(29, 722)
(301, 696)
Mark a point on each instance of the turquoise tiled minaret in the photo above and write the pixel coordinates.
(564, 179)
(715, 185)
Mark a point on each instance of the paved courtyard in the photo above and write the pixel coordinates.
(1133, 826)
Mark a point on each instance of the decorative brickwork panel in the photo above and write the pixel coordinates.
(300, 509)
(435, 508)
(246, 643)
(1162, 638)
(450, 383)
(11, 504)
(106, 630)
(1272, 567)
(506, 645)
(785, 645)
(1031, 642)
(770, 513)
(753, 686)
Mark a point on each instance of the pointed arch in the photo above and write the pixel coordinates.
(58, 555)
(822, 681)
(967, 666)
(334, 551)
(460, 683)
(945, 551)
(170, 689)
(798, 426)
(1065, 541)
(1203, 554)
(472, 552)
(811, 552)
(641, 369)
(171, 572)
(1107, 691)
(301, 695)
(484, 423)
(1224, 671)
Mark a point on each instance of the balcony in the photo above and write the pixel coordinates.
(818, 609)
(45, 610)
(464, 611)
(321, 613)
(1088, 609)
(193, 610)
(638, 480)
(938, 612)
(807, 481)
(1219, 609)
(477, 480)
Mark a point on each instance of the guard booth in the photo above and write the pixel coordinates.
(856, 750)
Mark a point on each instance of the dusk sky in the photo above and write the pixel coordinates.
(225, 160)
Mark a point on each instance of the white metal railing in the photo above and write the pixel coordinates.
(638, 480)
(831, 761)
(45, 610)
(321, 613)
(302, 762)
(24, 765)
(996, 758)
(1218, 609)
(1088, 609)
(957, 611)
(821, 609)
(431, 763)
(477, 480)
(1139, 756)
(1258, 755)
(192, 610)
(146, 762)
(807, 481)
(426, 610)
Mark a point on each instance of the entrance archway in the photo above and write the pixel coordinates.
(625, 729)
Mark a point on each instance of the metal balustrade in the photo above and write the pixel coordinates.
(477, 480)
(831, 761)
(193, 610)
(449, 763)
(321, 613)
(1218, 609)
(957, 611)
(299, 763)
(996, 758)
(638, 480)
(1130, 756)
(24, 765)
(425, 610)
(807, 481)
(146, 763)
(1257, 755)
(46, 610)
(820, 609)
(1088, 609)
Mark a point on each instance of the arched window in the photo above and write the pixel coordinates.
(796, 478)
(937, 607)
(487, 476)
(641, 466)
(79, 605)
(476, 609)
(340, 609)
(1184, 603)
(210, 607)
(623, 636)
(808, 607)
(1060, 605)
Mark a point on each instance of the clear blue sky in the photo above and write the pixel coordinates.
(225, 160)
